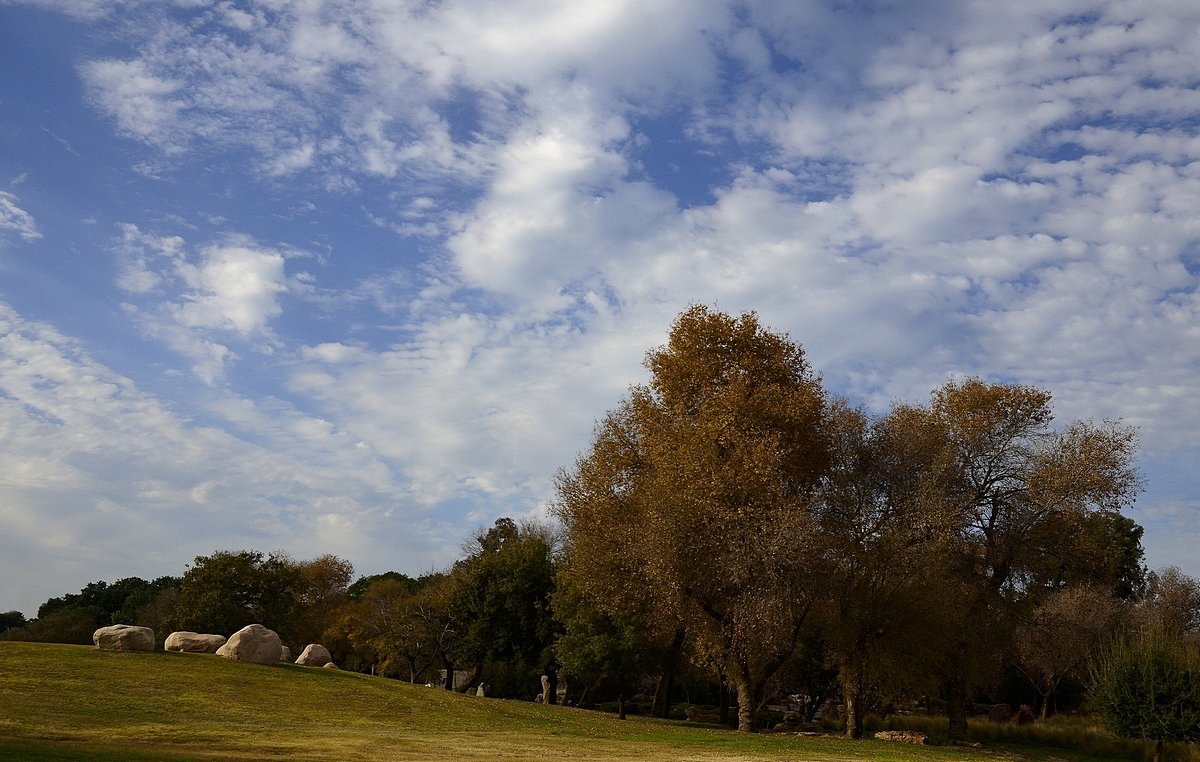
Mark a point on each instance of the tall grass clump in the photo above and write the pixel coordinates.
(1081, 734)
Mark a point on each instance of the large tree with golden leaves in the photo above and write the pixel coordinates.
(697, 495)
(1017, 491)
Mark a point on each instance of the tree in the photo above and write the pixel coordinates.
(115, 603)
(321, 589)
(362, 584)
(500, 597)
(63, 625)
(1171, 602)
(403, 621)
(704, 482)
(886, 541)
(11, 619)
(228, 590)
(598, 647)
(1062, 633)
(1018, 491)
(1148, 687)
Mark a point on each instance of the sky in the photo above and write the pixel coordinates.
(359, 276)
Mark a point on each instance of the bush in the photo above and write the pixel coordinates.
(1148, 687)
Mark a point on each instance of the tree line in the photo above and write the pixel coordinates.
(734, 533)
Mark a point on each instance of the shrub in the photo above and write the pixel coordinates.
(1148, 687)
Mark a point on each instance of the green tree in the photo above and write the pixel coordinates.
(62, 625)
(598, 648)
(705, 481)
(362, 584)
(500, 596)
(223, 592)
(11, 619)
(1148, 687)
(110, 603)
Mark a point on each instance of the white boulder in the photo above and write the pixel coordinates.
(253, 643)
(124, 637)
(193, 642)
(314, 655)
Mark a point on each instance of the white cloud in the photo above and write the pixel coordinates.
(15, 219)
(199, 301)
(144, 104)
(138, 487)
(1006, 189)
(232, 287)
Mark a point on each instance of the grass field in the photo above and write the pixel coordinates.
(77, 703)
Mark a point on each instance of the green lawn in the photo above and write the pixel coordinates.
(77, 703)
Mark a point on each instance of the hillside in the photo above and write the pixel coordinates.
(77, 703)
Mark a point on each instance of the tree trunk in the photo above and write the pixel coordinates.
(747, 697)
(853, 687)
(666, 683)
(476, 673)
(621, 703)
(956, 699)
(723, 702)
(1158, 751)
(587, 698)
(552, 687)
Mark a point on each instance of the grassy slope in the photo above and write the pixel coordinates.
(77, 703)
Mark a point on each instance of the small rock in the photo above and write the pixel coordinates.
(329, 665)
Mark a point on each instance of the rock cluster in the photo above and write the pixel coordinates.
(253, 643)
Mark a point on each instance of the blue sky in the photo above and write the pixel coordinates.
(357, 276)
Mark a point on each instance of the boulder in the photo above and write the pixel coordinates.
(903, 736)
(481, 691)
(193, 643)
(314, 655)
(330, 665)
(1000, 713)
(124, 637)
(1025, 715)
(286, 655)
(794, 722)
(253, 643)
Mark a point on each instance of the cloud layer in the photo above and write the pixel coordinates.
(414, 250)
